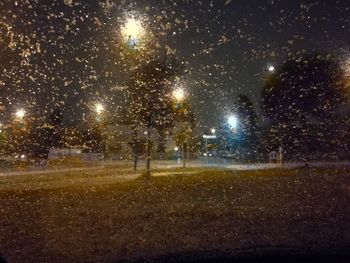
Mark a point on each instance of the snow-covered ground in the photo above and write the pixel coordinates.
(96, 219)
(168, 164)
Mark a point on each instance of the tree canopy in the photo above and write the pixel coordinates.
(304, 101)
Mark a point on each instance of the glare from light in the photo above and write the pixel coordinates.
(176, 149)
(23, 156)
(232, 121)
(213, 130)
(20, 113)
(179, 94)
(271, 68)
(132, 31)
(99, 108)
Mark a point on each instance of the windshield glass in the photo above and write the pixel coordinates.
(139, 130)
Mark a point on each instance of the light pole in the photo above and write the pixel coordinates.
(179, 96)
(206, 138)
(233, 123)
(99, 115)
(133, 35)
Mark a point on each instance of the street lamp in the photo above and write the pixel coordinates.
(132, 32)
(99, 108)
(20, 114)
(232, 122)
(179, 94)
(271, 68)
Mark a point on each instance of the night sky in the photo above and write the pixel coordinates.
(65, 53)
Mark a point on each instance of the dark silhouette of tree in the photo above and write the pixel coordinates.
(38, 142)
(149, 98)
(303, 103)
(247, 132)
(186, 122)
(54, 127)
(92, 140)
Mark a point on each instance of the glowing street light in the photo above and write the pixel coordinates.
(20, 114)
(132, 32)
(271, 68)
(179, 94)
(232, 122)
(99, 108)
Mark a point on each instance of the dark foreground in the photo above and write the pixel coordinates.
(222, 211)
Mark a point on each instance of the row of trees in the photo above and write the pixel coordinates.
(150, 104)
(36, 139)
(305, 106)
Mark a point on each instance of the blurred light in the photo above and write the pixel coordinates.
(232, 121)
(176, 149)
(271, 68)
(99, 108)
(205, 136)
(213, 130)
(20, 113)
(132, 31)
(179, 94)
(23, 156)
(205, 154)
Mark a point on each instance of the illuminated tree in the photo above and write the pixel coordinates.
(149, 101)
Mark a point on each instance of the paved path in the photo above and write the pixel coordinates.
(166, 164)
(113, 172)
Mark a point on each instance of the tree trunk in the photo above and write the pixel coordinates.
(148, 154)
(134, 137)
(184, 157)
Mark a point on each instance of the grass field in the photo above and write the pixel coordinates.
(197, 211)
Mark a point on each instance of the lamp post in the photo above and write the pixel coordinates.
(179, 95)
(99, 110)
(206, 138)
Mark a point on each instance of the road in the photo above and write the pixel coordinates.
(111, 172)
